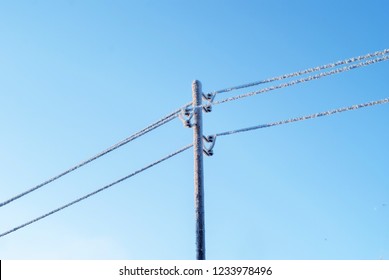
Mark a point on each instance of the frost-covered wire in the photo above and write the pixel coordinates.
(307, 79)
(322, 114)
(97, 191)
(140, 133)
(306, 71)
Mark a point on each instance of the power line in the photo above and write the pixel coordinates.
(173, 115)
(299, 81)
(306, 71)
(140, 133)
(327, 113)
(97, 191)
(183, 109)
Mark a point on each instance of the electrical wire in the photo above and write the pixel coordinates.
(299, 81)
(306, 71)
(140, 133)
(97, 191)
(173, 115)
(327, 113)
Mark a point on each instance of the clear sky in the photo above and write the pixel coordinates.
(79, 76)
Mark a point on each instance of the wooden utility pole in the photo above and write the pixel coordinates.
(198, 169)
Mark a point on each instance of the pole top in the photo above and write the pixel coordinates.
(196, 92)
(195, 82)
(196, 85)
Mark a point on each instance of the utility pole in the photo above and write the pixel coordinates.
(198, 169)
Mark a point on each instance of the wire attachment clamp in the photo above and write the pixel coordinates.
(212, 140)
(186, 116)
(209, 97)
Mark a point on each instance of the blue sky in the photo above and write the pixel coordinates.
(79, 76)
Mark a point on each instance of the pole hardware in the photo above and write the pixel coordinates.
(208, 97)
(208, 152)
(185, 116)
(209, 139)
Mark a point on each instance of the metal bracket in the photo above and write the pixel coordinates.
(208, 97)
(185, 116)
(209, 139)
